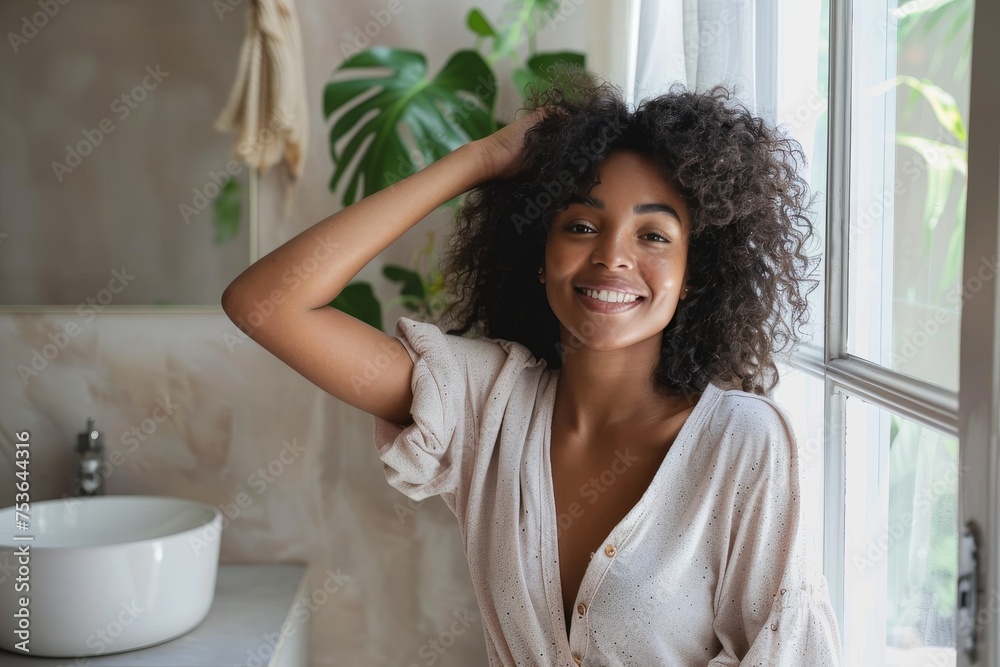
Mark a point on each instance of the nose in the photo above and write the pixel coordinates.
(613, 250)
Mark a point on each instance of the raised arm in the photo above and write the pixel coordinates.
(281, 300)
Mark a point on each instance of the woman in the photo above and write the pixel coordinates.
(626, 491)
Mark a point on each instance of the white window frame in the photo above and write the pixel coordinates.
(972, 415)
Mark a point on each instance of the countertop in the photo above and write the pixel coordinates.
(252, 603)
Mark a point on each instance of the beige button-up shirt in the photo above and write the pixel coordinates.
(710, 567)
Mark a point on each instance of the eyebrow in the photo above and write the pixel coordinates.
(639, 209)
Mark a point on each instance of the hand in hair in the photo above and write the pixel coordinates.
(501, 152)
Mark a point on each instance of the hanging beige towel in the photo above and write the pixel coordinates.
(267, 106)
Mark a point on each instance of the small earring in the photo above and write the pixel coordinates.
(540, 275)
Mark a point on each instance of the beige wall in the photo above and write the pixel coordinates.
(106, 126)
(403, 577)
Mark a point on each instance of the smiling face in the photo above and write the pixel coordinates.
(630, 233)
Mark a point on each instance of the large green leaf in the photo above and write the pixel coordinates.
(953, 260)
(441, 114)
(358, 300)
(942, 102)
(942, 161)
(536, 74)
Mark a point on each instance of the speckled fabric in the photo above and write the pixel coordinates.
(708, 568)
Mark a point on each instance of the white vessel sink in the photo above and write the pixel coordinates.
(106, 574)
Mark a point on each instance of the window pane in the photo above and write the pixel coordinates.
(908, 161)
(902, 540)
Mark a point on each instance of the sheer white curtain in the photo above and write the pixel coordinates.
(700, 43)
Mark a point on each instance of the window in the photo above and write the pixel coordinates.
(884, 97)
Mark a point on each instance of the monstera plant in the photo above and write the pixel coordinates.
(392, 123)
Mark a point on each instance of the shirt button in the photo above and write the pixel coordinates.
(577, 659)
(609, 550)
(581, 609)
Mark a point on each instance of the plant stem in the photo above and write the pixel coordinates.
(512, 34)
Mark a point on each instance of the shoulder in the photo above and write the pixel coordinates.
(750, 424)
(481, 356)
(752, 414)
(427, 332)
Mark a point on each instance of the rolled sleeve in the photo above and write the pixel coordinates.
(451, 377)
(773, 607)
(800, 630)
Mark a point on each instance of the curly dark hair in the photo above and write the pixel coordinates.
(747, 267)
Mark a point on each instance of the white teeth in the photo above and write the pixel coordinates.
(611, 297)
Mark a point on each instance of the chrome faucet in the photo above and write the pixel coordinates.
(90, 450)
